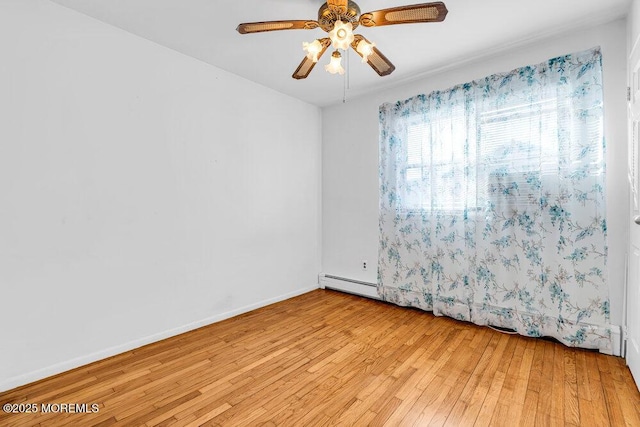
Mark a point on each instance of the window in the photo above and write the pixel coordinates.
(438, 159)
(503, 159)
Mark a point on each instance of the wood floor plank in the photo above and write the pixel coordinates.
(328, 358)
(571, 405)
(490, 405)
(424, 408)
(543, 410)
(595, 408)
(476, 389)
(529, 408)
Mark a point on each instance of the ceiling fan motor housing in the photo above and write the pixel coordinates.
(328, 15)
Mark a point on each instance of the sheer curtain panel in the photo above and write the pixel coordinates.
(492, 202)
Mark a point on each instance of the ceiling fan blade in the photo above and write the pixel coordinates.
(425, 12)
(259, 27)
(376, 60)
(340, 5)
(307, 64)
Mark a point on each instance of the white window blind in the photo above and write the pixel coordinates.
(502, 159)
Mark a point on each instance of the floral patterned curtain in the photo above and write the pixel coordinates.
(492, 204)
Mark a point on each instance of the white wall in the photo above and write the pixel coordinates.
(350, 154)
(633, 23)
(142, 192)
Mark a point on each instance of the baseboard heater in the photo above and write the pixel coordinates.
(351, 286)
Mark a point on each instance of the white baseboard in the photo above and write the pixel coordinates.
(58, 368)
(355, 287)
(616, 342)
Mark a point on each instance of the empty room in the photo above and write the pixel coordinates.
(310, 213)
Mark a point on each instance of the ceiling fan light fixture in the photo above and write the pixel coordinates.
(313, 49)
(335, 66)
(365, 49)
(342, 35)
(339, 18)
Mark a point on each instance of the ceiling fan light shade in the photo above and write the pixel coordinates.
(342, 35)
(313, 49)
(335, 66)
(365, 49)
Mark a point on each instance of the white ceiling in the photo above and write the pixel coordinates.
(205, 29)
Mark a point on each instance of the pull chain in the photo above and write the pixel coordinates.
(348, 68)
(346, 81)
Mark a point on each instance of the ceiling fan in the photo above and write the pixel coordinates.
(339, 18)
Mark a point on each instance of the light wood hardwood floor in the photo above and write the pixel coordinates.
(328, 358)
